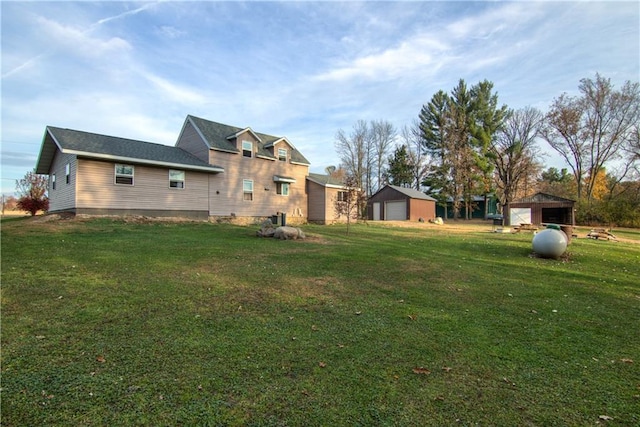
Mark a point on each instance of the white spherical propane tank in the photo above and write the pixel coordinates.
(550, 242)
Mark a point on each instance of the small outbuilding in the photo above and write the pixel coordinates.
(323, 191)
(393, 203)
(541, 208)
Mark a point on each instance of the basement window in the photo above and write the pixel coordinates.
(247, 189)
(176, 178)
(124, 174)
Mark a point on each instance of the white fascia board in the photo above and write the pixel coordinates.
(265, 157)
(285, 139)
(215, 169)
(43, 147)
(277, 178)
(237, 134)
(197, 131)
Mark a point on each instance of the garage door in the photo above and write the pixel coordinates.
(395, 211)
(520, 216)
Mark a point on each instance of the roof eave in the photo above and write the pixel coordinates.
(300, 163)
(41, 168)
(84, 154)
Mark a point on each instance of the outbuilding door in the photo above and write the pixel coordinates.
(520, 216)
(376, 211)
(395, 211)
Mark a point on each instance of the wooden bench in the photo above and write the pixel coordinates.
(525, 227)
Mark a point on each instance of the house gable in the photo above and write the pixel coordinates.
(226, 138)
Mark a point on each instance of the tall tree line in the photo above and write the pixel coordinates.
(457, 130)
(465, 144)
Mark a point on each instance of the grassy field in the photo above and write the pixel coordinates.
(113, 323)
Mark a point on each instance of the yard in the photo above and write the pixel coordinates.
(150, 323)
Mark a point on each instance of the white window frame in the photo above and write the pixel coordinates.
(342, 196)
(53, 181)
(67, 173)
(282, 154)
(247, 190)
(124, 175)
(177, 179)
(282, 188)
(247, 147)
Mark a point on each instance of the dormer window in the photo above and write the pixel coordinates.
(282, 154)
(247, 149)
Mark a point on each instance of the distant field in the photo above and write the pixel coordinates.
(108, 322)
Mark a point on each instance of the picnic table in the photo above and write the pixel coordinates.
(525, 227)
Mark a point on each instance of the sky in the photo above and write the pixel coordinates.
(303, 70)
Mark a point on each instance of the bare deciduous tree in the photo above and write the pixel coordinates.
(348, 202)
(515, 152)
(588, 131)
(383, 135)
(353, 151)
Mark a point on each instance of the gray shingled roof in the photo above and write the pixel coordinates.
(414, 194)
(542, 198)
(92, 145)
(325, 180)
(217, 136)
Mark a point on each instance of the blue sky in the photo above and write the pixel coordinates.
(302, 70)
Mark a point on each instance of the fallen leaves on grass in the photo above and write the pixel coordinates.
(605, 418)
(446, 368)
(322, 365)
(101, 359)
(626, 360)
(421, 371)
(412, 316)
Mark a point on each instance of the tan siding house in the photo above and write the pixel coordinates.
(322, 191)
(62, 190)
(214, 171)
(264, 175)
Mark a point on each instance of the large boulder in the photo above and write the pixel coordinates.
(266, 229)
(288, 233)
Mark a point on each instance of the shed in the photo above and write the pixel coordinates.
(540, 208)
(393, 203)
(322, 193)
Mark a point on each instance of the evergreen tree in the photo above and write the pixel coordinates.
(400, 170)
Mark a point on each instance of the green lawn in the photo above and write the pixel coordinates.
(109, 323)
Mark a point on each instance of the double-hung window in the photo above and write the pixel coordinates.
(124, 174)
(67, 173)
(282, 154)
(282, 188)
(176, 178)
(247, 149)
(53, 181)
(247, 189)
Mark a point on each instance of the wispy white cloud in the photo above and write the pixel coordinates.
(170, 32)
(298, 69)
(421, 52)
(175, 92)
